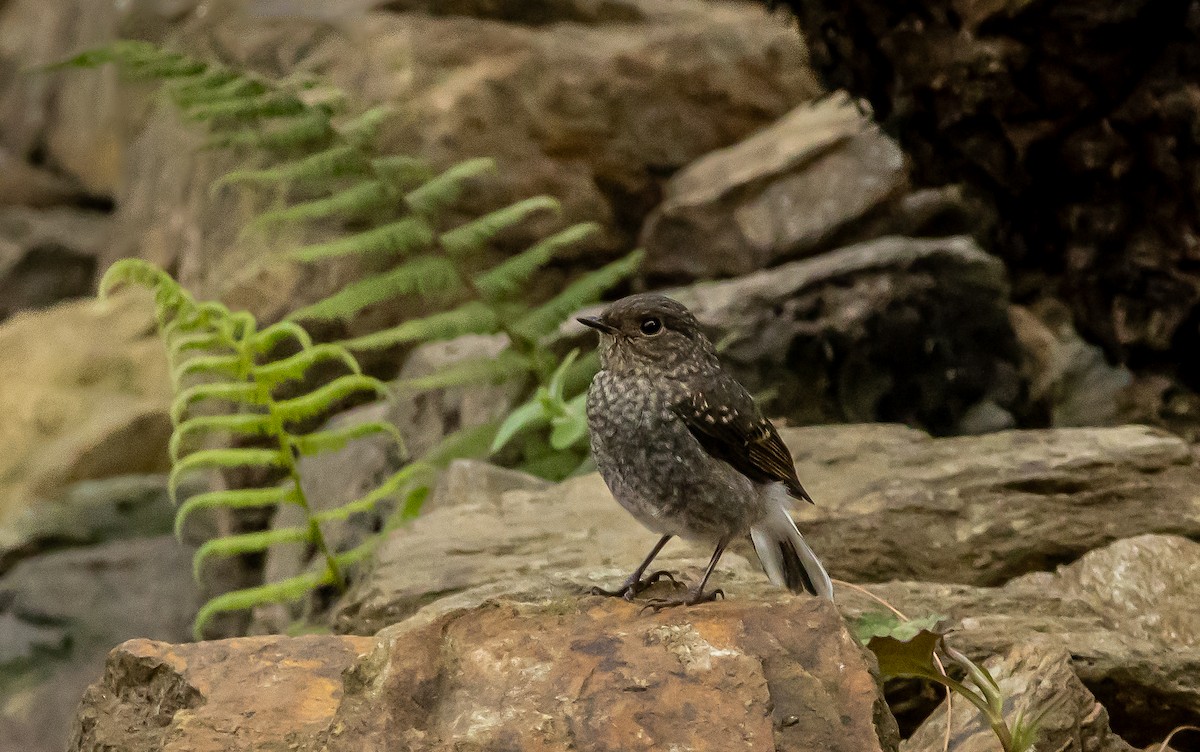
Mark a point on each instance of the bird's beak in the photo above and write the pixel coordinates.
(595, 323)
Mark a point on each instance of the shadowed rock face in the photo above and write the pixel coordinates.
(550, 675)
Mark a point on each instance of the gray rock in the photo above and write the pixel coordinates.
(48, 255)
(61, 612)
(891, 502)
(784, 192)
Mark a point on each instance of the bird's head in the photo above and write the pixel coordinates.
(650, 332)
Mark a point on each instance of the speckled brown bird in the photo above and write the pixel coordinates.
(685, 450)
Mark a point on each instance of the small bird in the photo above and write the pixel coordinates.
(685, 450)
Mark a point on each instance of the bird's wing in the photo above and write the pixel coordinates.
(730, 427)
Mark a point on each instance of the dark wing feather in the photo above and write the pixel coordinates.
(730, 427)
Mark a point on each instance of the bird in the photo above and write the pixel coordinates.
(684, 448)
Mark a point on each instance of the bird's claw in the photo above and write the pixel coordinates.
(692, 599)
(629, 589)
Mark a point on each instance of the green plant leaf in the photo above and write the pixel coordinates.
(247, 543)
(471, 318)
(222, 459)
(271, 337)
(424, 275)
(473, 236)
(353, 201)
(295, 367)
(284, 591)
(571, 427)
(507, 278)
(237, 424)
(239, 498)
(333, 439)
(438, 193)
(508, 365)
(237, 393)
(400, 238)
(323, 398)
(583, 291)
(532, 414)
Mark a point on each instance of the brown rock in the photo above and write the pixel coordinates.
(48, 255)
(92, 406)
(263, 694)
(22, 184)
(784, 192)
(1037, 681)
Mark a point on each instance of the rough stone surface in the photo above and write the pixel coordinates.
(780, 674)
(47, 255)
(61, 612)
(22, 184)
(92, 406)
(787, 191)
(1035, 679)
(891, 503)
(1126, 614)
(266, 694)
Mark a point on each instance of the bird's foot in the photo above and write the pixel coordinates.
(691, 599)
(631, 587)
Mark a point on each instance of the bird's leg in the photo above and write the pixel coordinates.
(635, 584)
(696, 594)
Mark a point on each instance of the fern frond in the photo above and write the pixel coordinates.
(237, 393)
(470, 318)
(292, 133)
(241, 498)
(270, 338)
(583, 291)
(284, 591)
(402, 172)
(269, 105)
(355, 200)
(335, 162)
(248, 543)
(221, 459)
(475, 235)
(400, 238)
(361, 130)
(508, 365)
(294, 367)
(205, 341)
(425, 276)
(236, 424)
(391, 487)
(216, 82)
(332, 440)
(135, 271)
(117, 52)
(323, 398)
(208, 365)
(507, 278)
(445, 189)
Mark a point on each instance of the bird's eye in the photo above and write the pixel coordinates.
(651, 327)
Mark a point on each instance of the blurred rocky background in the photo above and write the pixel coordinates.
(973, 221)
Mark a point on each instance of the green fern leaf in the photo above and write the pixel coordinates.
(335, 162)
(425, 275)
(210, 365)
(584, 291)
(402, 172)
(269, 105)
(506, 279)
(248, 543)
(135, 271)
(475, 441)
(532, 414)
(215, 80)
(237, 393)
(220, 459)
(116, 52)
(322, 399)
(353, 201)
(237, 424)
(361, 130)
(275, 334)
(242, 498)
(334, 439)
(284, 591)
(472, 237)
(508, 365)
(400, 238)
(389, 488)
(440, 192)
(470, 318)
(204, 341)
(294, 368)
(311, 127)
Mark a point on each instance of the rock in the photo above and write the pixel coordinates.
(1126, 614)
(787, 191)
(22, 184)
(533, 12)
(48, 255)
(891, 503)
(1034, 680)
(61, 612)
(93, 511)
(262, 693)
(896, 330)
(92, 406)
(594, 114)
(776, 674)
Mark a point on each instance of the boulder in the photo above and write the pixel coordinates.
(61, 612)
(891, 503)
(23, 184)
(1126, 614)
(92, 406)
(782, 673)
(789, 190)
(48, 255)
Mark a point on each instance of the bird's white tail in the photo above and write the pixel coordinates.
(785, 557)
